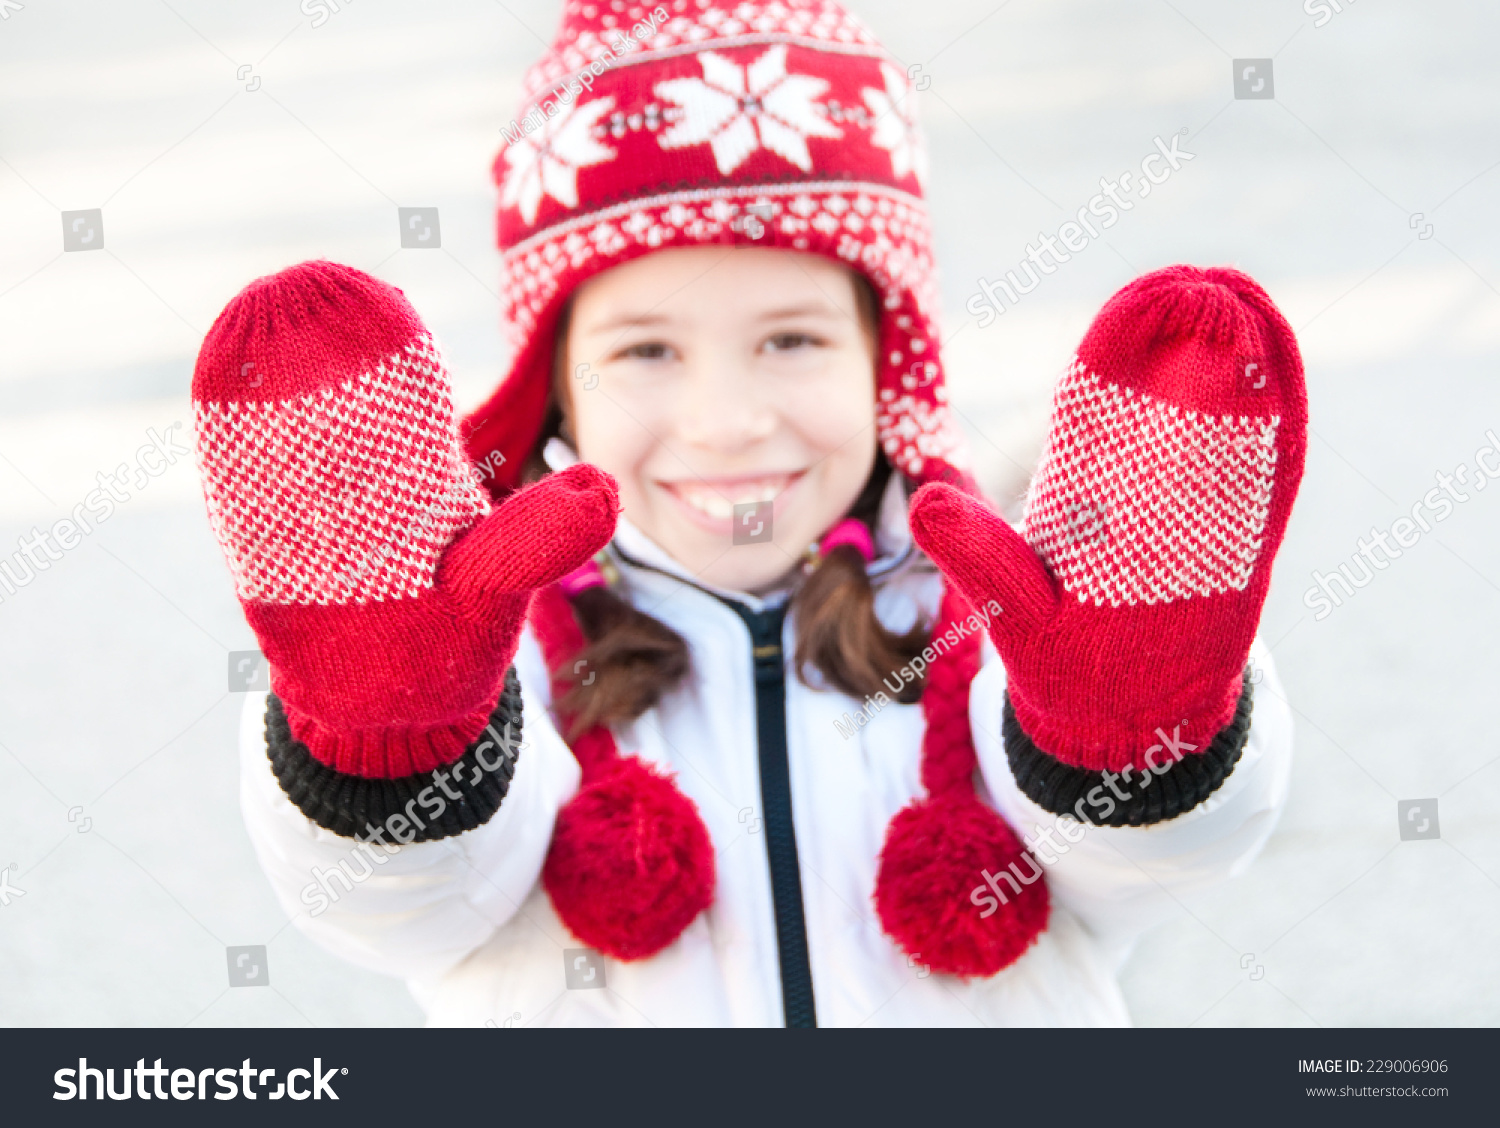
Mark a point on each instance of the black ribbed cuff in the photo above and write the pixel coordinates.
(351, 806)
(1150, 798)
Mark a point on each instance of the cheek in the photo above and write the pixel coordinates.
(611, 440)
(835, 422)
(845, 464)
(836, 415)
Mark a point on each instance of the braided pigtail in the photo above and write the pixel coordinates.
(631, 863)
(629, 660)
(838, 632)
(941, 850)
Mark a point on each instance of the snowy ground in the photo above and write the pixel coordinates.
(118, 808)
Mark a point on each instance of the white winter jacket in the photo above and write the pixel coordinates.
(467, 923)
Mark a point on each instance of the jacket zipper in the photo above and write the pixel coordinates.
(776, 802)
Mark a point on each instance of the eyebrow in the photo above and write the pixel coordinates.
(646, 320)
(630, 321)
(805, 309)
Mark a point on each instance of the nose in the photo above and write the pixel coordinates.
(724, 408)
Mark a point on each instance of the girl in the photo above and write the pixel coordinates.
(748, 710)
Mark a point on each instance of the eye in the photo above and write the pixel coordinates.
(791, 341)
(644, 350)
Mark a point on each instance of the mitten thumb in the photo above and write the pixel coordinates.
(984, 558)
(539, 535)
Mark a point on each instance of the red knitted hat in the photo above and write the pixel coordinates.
(785, 125)
(691, 123)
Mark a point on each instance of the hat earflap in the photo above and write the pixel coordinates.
(938, 891)
(631, 864)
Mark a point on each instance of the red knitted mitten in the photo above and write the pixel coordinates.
(386, 595)
(1175, 452)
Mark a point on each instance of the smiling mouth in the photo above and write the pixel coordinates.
(716, 497)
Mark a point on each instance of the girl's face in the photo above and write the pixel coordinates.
(704, 378)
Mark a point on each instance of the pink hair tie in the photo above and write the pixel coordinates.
(586, 575)
(852, 532)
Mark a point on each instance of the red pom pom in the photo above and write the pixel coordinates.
(631, 863)
(934, 853)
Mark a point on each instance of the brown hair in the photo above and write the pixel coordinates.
(633, 659)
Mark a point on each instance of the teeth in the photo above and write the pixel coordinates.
(719, 505)
(712, 504)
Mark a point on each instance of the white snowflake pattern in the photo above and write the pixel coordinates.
(546, 162)
(896, 129)
(738, 110)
